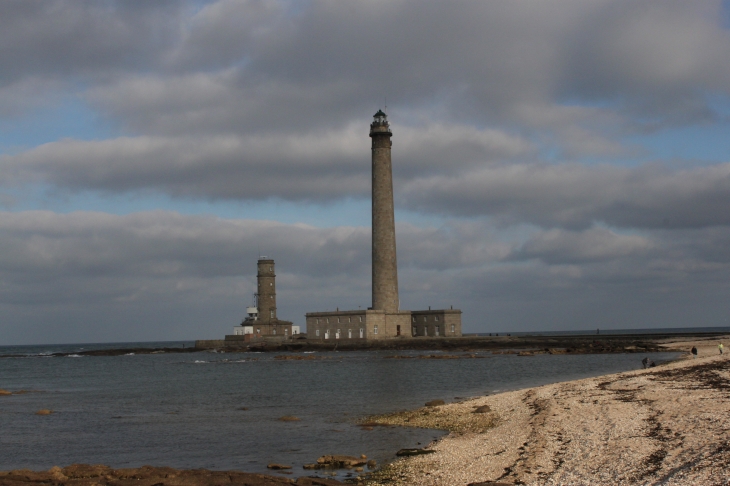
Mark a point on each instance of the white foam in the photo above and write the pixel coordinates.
(74, 356)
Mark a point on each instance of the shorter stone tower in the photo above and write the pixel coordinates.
(266, 292)
(262, 321)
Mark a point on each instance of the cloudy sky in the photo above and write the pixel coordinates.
(557, 165)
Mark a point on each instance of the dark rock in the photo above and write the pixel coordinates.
(482, 409)
(435, 403)
(337, 461)
(413, 452)
(289, 418)
(317, 482)
(273, 465)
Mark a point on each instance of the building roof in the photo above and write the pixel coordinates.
(380, 113)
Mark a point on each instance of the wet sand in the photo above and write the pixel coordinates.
(664, 425)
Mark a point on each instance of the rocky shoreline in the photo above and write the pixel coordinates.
(87, 475)
(531, 344)
(665, 425)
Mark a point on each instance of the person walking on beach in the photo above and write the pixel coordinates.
(645, 362)
(694, 352)
(720, 347)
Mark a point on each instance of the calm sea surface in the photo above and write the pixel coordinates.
(185, 410)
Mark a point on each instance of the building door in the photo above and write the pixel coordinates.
(349, 333)
(362, 333)
(397, 330)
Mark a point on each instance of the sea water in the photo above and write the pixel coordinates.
(187, 410)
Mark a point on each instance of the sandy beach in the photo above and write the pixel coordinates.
(664, 425)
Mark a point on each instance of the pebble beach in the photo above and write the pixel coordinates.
(665, 425)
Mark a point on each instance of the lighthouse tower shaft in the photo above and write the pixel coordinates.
(385, 268)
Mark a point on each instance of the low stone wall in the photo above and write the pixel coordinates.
(209, 343)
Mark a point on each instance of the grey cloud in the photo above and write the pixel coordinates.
(573, 195)
(270, 66)
(74, 39)
(661, 56)
(313, 167)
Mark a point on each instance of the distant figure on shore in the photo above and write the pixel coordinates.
(694, 352)
(720, 347)
(645, 362)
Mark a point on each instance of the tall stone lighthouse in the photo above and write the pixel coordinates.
(384, 319)
(385, 266)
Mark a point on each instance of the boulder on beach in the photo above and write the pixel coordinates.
(338, 461)
(273, 465)
(482, 409)
(44, 411)
(413, 452)
(435, 403)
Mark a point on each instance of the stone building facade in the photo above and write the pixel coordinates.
(384, 319)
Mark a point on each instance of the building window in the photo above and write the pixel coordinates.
(271, 269)
(349, 333)
(413, 319)
(425, 331)
(338, 320)
(452, 328)
(375, 329)
(273, 331)
(337, 335)
(318, 323)
(436, 331)
(272, 297)
(360, 318)
(272, 314)
(271, 284)
(436, 318)
(327, 334)
(286, 331)
(349, 320)
(424, 318)
(258, 330)
(413, 331)
(317, 332)
(362, 333)
(328, 320)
